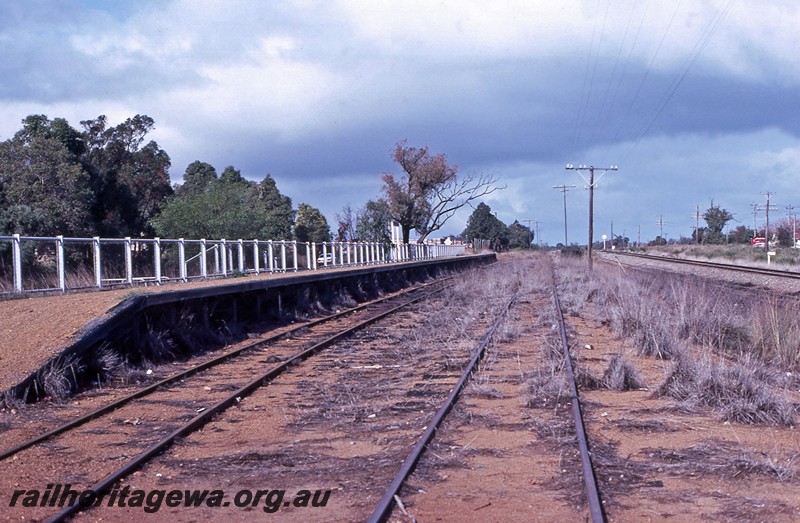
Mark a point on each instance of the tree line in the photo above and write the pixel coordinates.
(716, 218)
(110, 181)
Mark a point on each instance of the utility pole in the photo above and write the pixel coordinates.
(661, 223)
(639, 235)
(755, 208)
(696, 217)
(538, 237)
(612, 235)
(793, 218)
(766, 211)
(592, 183)
(529, 232)
(564, 189)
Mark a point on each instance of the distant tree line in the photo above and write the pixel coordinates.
(716, 219)
(484, 225)
(113, 182)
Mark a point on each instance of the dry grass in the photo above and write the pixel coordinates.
(663, 312)
(547, 388)
(621, 375)
(775, 333)
(738, 392)
(724, 459)
(673, 316)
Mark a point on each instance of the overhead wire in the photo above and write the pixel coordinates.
(602, 112)
(579, 121)
(645, 76)
(615, 84)
(676, 82)
(628, 60)
(594, 69)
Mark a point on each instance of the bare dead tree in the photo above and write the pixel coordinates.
(429, 192)
(447, 199)
(346, 224)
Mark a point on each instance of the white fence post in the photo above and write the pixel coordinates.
(17, 255)
(216, 258)
(223, 246)
(203, 261)
(256, 261)
(294, 251)
(128, 261)
(314, 255)
(308, 255)
(283, 256)
(98, 266)
(241, 256)
(62, 278)
(182, 259)
(325, 255)
(271, 256)
(157, 258)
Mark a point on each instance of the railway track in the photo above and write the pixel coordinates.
(390, 498)
(713, 265)
(593, 497)
(228, 379)
(223, 381)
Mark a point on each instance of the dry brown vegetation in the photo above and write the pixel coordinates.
(734, 352)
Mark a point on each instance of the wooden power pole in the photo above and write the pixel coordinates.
(592, 184)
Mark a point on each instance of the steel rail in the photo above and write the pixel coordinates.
(715, 265)
(384, 506)
(592, 491)
(201, 419)
(105, 409)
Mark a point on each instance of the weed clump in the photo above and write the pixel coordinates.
(621, 375)
(547, 387)
(740, 393)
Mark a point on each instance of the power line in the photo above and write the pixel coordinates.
(529, 229)
(604, 116)
(646, 75)
(698, 48)
(585, 93)
(793, 218)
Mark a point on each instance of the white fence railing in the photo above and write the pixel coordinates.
(43, 264)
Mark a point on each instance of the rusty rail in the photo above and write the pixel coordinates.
(384, 507)
(592, 491)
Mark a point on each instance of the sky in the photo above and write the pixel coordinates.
(694, 101)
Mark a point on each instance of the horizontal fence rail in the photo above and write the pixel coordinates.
(30, 264)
